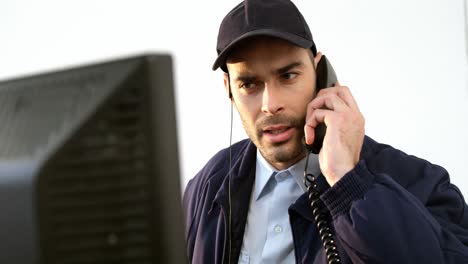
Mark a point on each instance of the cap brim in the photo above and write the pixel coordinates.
(294, 39)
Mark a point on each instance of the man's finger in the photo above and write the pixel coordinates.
(343, 92)
(316, 117)
(329, 101)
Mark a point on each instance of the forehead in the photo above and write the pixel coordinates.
(266, 51)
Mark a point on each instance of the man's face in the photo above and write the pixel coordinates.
(272, 81)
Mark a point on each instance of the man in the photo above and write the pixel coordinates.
(249, 203)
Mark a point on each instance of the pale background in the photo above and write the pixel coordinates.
(405, 62)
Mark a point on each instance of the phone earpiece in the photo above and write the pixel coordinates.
(326, 76)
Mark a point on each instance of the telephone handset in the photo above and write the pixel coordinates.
(326, 77)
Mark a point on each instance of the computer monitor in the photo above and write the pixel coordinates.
(89, 167)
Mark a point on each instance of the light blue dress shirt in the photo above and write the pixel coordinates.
(268, 236)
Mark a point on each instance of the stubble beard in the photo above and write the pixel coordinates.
(288, 151)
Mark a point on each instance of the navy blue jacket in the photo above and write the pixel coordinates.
(391, 208)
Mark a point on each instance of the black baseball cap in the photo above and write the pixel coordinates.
(274, 18)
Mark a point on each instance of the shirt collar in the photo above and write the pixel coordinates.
(264, 173)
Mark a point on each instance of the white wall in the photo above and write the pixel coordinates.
(405, 62)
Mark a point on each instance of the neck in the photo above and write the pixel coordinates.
(285, 165)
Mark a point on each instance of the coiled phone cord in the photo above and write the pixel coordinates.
(319, 213)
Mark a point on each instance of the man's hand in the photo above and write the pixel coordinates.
(336, 107)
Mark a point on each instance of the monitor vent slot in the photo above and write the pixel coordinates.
(97, 194)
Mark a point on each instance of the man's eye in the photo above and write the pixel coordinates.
(248, 86)
(289, 75)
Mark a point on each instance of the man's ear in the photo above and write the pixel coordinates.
(227, 85)
(317, 59)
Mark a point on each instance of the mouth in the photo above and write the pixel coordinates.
(278, 133)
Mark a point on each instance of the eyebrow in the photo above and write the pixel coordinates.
(288, 67)
(247, 78)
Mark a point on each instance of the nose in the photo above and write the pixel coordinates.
(272, 102)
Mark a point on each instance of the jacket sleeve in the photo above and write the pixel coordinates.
(395, 208)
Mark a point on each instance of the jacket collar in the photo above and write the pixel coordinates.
(240, 175)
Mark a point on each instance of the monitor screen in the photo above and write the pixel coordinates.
(89, 168)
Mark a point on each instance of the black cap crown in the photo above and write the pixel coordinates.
(275, 18)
